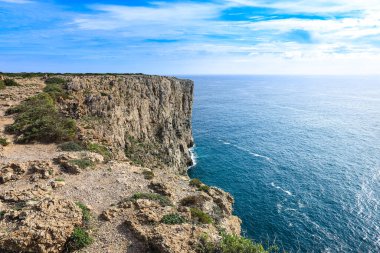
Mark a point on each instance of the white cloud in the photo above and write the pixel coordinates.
(315, 6)
(172, 14)
(17, 1)
(201, 41)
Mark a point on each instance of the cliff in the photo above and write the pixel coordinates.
(136, 110)
(95, 163)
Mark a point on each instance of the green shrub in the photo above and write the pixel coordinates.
(12, 110)
(200, 216)
(195, 182)
(163, 200)
(204, 188)
(193, 200)
(59, 180)
(78, 240)
(2, 213)
(100, 149)
(83, 163)
(55, 91)
(148, 174)
(235, 243)
(205, 245)
(3, 142)
(2, 85)
(10, 82)
(52, 88)
(86, 214)
(173, 218)
(39, 120)
(55, 80)
(71, 146)
(231, 244)
(145, 153)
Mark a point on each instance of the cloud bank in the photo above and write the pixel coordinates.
(234, 36)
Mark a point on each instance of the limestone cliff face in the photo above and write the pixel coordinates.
(148, 117)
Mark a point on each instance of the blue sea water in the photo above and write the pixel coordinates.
(300, 155)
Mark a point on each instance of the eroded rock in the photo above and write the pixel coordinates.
(160, 188)
(42, 226)
(65, 159)
(17, 195)
(12, 171)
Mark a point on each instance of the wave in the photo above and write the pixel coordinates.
(252, 153)
(225, 142)
(246, 150)
(278, 187)
(193, 156)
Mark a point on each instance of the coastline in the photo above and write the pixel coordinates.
(130, 185)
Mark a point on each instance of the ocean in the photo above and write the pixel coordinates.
(300, 155)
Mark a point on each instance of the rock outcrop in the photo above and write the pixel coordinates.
(35, 169)
(147, 118)
(181, 232)
(41, 226)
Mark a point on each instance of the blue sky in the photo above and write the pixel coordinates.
(191, 37)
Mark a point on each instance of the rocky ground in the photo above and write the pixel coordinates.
(40, 190)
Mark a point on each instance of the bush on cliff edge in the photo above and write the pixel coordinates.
(230, 243)
(39, 120)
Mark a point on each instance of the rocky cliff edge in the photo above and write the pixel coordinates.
(115, 181)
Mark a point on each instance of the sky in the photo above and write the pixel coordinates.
(334, 37)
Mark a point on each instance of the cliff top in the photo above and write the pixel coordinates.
(95, 164)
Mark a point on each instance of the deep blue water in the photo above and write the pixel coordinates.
(301, 156)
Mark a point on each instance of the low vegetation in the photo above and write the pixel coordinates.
(230, 243)
(83, 163)
(3, 141)
(71, 146)
(76, 146)
(78, 240)
(55, 80)
(163, 200)
(7, 82)
(2, 213)
(100, 149)
(200, 216)
(10, 82)
(148, 174)
(55, 91)
(23, 74)
(39, 120)
(144, 153)
(172, 219)
(204, 188)
(41, 74)
(86, 214)
(195, 182)
(193, 200)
